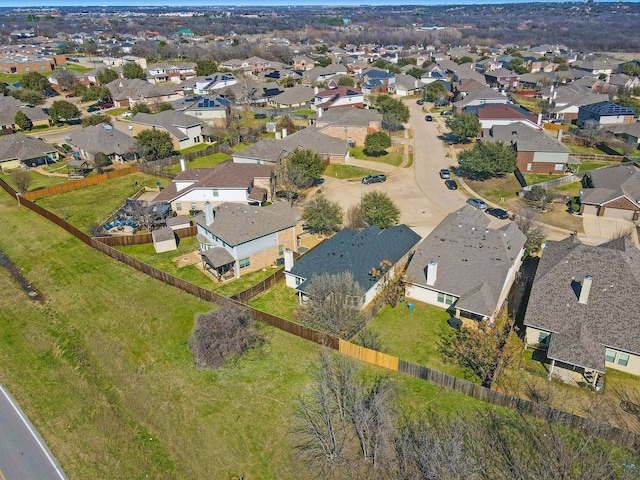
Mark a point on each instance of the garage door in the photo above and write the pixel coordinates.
(619, 213)
(590, 210)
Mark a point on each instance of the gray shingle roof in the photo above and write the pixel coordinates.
(607, 108)
(526, 138)
(101, 138)
(473, 260)
(23, 147)
(295, 95)
(235, 224)
(612, 182)
(169, 120)
(350, 117)
(356, 252)
(579, 332)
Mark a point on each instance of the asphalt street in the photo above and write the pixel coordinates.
(23, 453)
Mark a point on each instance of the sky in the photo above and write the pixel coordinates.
(191, 3)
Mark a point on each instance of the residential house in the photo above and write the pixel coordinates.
(24, 151)
(129, 92)
(605, 113)
(302, 62)
(275, 151)
(322, 74)
(377, 81)
(595, 67)
(210, 84)
(251, 64)
(15, 63)
(338, 97)
(466, 267)
(237, 239)
(211, 110)
(565, 101)
(226, 182)
(480, 96)
(298, 97)
(624, 81)
(185, 130)
(463, 87)
(502, 78)
(537, 152)
(164, 72)
(9, 106)
(612, 192)
(356, 252)
(502, 114)
(406, 85)
(103, 138)
(351, 124)
(629, 133)
(583, 307)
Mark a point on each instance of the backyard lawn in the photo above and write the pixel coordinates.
(279, 300)
(89, 206)
(207, 161)
(414, 335)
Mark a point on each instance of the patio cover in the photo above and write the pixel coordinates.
(217, 257)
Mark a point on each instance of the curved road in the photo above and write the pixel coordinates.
(23, 453)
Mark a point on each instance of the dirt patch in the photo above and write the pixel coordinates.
(24, 283)
(185, 259)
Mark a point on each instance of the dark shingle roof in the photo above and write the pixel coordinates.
(356, 252)
(612, 182)
(579, 332)
(473, 260)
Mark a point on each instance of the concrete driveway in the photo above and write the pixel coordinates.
(608, 228)
(418, 191)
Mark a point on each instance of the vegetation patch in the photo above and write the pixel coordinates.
(347, 172)
(393, 155)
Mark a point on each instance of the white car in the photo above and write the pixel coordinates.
(127, 114)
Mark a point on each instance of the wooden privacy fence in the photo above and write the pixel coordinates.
(142, 238)
(367, 355)
(259, 288)
(80, 183)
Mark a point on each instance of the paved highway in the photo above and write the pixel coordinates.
(23, 453)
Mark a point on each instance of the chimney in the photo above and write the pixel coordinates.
(288, 260)
(315, 90)
(540, 118)
(284, 133)
(319, 112)
(209, 216)
(183, 164)
(584, 291)
(559, 134)
(278, 136)
(432, 273)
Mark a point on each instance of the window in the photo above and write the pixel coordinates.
(446, 299)
(623, 359)
(245, 262)
(215, 192)
(543, 338)
(298, 281)
(559, 167)
(179, 207)
(193, 206)
(610, 356)
(529, 167)
(280, 250)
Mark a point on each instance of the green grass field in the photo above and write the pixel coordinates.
(104, 372)
(207, 161)
(38, 181)
(90, 206)
(346, 172)
(394, 157)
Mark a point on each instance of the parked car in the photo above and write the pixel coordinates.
(93, 109)
(428, 118)
(445, 173)
(420, 102)
(498, 213)
(105, 106)
(446, 112)
(259, 115)
(127, 114)
(375, 178)
(441, 103)
(478, 203)
(69, 95)
(451, 184)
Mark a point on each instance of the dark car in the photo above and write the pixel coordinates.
(420, 102)
(446, 112)
(259, 116)
(375, 178)
(441, 103)
(428, 118)
(445, 173)
(105, 106)
(478, 203)
(498, 213)
(451, 184)
(93, 109)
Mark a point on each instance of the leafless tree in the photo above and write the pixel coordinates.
(333, 304)
(21, 179)
(527, 220)
(66, 79)
(140, 212)
(355, 217)
(392, 282)
(222, 335)
(344, 426)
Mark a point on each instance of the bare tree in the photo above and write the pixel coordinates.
(22, 180)
(392, 282)
(333, 304)
(222, 335)
(355, 217)
(66, 79)
(527, 220)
